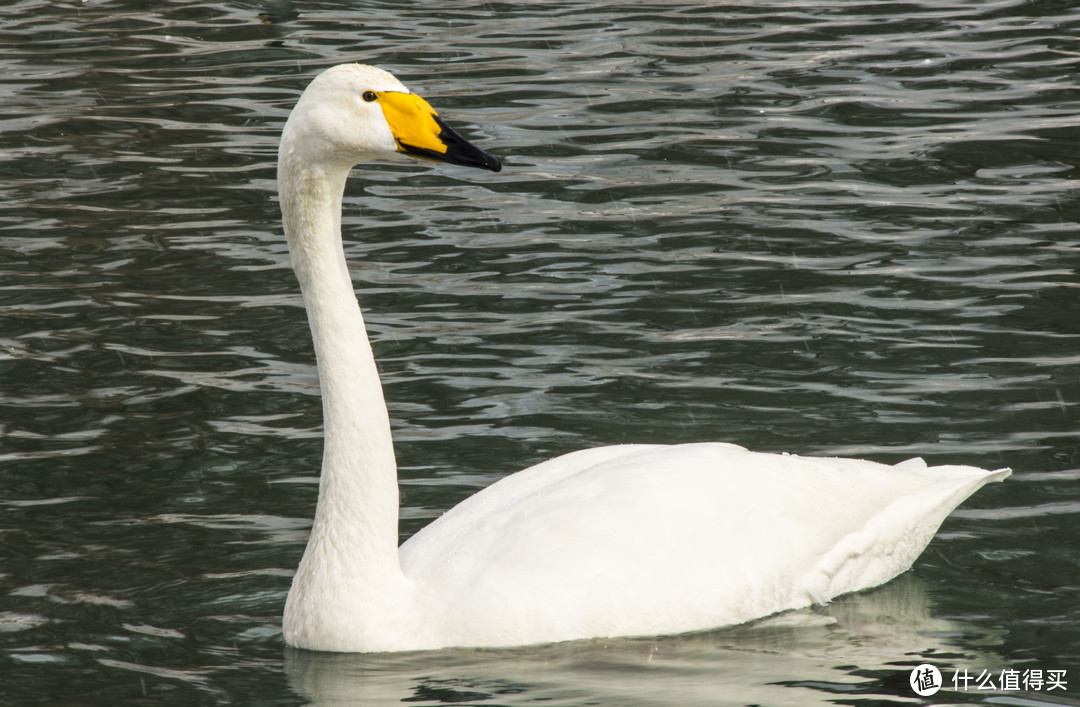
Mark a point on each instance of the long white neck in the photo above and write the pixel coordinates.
(357, 514)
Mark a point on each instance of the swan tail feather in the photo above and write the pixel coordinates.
(893, 539)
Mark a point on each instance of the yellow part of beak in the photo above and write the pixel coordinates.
(412, 121)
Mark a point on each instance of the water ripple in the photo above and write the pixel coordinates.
(836, 227)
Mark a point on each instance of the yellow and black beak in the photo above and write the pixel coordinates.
(420, 132)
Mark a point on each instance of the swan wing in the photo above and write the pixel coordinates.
(652, 539)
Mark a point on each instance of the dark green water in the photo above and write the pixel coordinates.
(842, 227)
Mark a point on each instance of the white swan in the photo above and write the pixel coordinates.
(613, 541)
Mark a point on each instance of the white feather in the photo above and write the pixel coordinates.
(614, 541)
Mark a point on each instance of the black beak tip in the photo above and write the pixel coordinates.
(462, 152)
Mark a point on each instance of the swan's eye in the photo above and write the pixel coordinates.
(369, 96)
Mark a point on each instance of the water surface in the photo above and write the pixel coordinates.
(832, 228)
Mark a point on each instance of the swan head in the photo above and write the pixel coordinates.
(354, 113)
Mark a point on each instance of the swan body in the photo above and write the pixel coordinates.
(612, 541)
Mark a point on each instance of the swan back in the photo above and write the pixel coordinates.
(652, 539)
